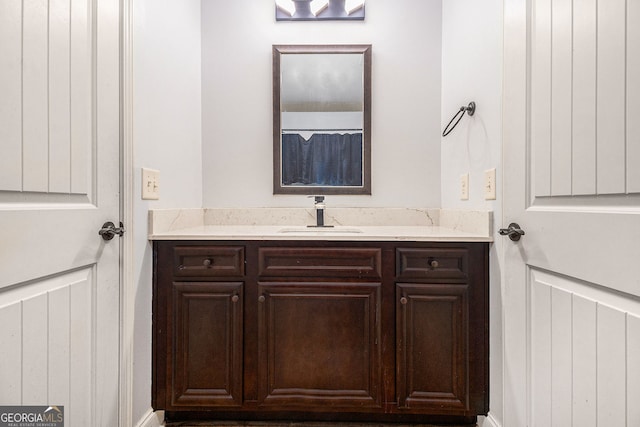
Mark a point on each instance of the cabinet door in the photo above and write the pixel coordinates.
(319, 346)
(206, 367)
(431, 339)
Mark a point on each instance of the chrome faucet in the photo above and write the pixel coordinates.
(319, 205)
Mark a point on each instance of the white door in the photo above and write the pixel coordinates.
(59, 182)
(572, 182)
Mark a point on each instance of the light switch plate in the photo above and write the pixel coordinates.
(464, 186)
(150, 184)
(490, 184)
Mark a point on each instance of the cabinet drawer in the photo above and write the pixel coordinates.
(222, 261)
(419, 263)
(320, 262)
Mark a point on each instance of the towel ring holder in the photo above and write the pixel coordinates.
(469, 109)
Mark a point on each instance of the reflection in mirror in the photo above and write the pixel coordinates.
(322, 125)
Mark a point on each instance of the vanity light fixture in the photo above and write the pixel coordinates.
(319, 10)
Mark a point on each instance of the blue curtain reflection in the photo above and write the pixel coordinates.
(325, 159)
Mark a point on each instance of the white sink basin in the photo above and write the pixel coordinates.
(323, 230)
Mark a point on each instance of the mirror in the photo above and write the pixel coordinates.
(322, 119)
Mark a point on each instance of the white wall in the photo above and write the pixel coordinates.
(237, 100)
(416, 60)
(472, 71)
(167, 137)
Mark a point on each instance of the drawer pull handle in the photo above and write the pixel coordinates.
(434, 264)
(404, 300)
(261, 298)
(235, 298)
(207, 262)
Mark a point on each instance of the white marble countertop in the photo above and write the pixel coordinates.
(349, 224)
(355, 233)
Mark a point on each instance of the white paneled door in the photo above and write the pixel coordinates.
(59, 182)
(571, 161)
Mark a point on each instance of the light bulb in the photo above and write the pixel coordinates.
(318, 6)
(351, 6)
(287, 6)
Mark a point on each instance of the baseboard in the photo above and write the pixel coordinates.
(488, 421)
(151, 418)
(156, 419)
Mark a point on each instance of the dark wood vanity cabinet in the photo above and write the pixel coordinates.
(380, 331)
(441, 329)
(319, 328)
(198, 328)
(207, 361)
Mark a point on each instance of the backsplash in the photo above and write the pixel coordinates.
(477, 222)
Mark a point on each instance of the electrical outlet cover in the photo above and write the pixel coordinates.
(490, 184)
(464, 186)
(150, 184)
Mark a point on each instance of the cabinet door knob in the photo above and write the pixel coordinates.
(235, 298)
(261, 298)
(207, 262)
(404, 300)
(434, 264)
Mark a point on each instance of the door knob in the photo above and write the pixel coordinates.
(514, 232)
(109, 230)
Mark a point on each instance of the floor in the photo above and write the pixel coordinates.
(292, 424)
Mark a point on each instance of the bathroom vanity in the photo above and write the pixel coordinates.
(345, 324)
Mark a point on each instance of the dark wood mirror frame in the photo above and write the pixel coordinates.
(278, 187)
